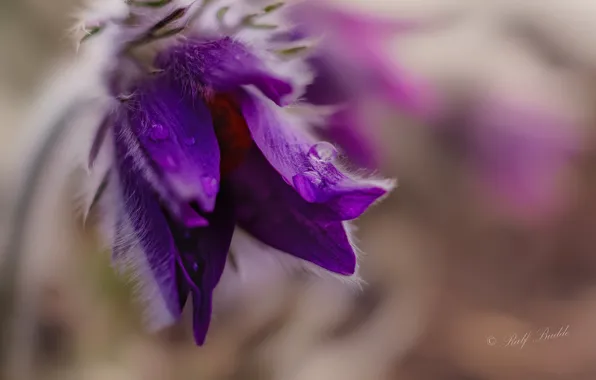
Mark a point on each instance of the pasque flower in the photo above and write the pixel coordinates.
(202, 142)
(521, 156)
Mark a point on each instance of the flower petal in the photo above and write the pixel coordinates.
(274, 213)
(307, 164)
(203, 254)
(152, 173)
(178, 136)
(351, 60)
(522, 154)
(220, 66)
(344, 129)
(143, 217)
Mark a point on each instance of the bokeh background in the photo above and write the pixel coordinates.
(452, 276)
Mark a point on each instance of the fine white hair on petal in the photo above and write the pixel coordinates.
(78, 81)
(314, 114)
(100, 17)
(129, 259)
(149, 16)
(131, 20)
(312, 117)
(143, 164)
(296, 70)
(108, 212)
(116, 233)
(96, 12)
(206, 20)
(77, 143)
(225, 18)
(94, 179)
(134, 263)
(302, 118)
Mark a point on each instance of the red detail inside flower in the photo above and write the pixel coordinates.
(231, 130)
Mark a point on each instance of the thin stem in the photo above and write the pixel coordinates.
(17, 314)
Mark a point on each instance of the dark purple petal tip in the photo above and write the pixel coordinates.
(203, 255)
(273, 212)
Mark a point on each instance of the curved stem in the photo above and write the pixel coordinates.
(17, 314)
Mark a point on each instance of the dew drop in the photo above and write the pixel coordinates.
(313, 177)
(189, 141)
(195, 267)
(209, 185)
(323, 151)
(158, 132)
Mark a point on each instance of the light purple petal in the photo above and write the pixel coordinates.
(322, 17)
(221, 66)
(305, 163)
(363, 71)
(203, 254)
(328, 87)
(178, 136)
(270, 210)
(142, 211)
(520, 153)
(352, 61)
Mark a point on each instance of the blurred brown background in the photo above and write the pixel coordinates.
(449, 283)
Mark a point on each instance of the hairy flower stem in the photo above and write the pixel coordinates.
(17, 309)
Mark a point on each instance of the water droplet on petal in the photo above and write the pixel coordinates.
(313, 177)
(323, 151)
(158, 132)
(195, 267)
(209, 185)
(189, 141)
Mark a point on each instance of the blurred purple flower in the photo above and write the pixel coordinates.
(351, 66)
(203, 145)
(520, 153)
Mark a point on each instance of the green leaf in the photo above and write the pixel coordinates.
(167, 33)
(293, 50)
(249, 22)
(273, 7)
(262, 26)
(221, 13)
(150, 4)
(91, 32)
(175, 15)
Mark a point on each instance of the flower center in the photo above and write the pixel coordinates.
(231, 130)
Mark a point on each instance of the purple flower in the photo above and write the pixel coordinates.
(520, 154)
(206, 144)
